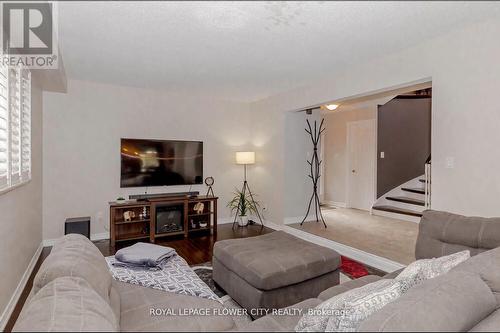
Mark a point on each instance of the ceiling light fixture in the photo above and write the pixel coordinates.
(331, 107)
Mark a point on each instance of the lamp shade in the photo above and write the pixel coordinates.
(245, 157)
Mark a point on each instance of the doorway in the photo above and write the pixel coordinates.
(360, 164)
(351, 151)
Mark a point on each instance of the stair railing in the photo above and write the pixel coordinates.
(428, 184)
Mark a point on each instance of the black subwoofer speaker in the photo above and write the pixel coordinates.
(78, 225)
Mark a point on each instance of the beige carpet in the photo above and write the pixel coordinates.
(386, 237)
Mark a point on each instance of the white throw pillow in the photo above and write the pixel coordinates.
(363, 303)
(424, 269)
(345, 312)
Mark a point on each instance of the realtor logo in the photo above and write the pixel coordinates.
(28, 35)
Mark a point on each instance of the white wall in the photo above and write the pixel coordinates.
(465, 76)
(21, 215)
(82, 144)
(335, 151)
(298, 150)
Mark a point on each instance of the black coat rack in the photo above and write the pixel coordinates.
(314, 173)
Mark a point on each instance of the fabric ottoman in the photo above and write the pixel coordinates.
(273, 271)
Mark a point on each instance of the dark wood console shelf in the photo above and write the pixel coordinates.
(137, 226)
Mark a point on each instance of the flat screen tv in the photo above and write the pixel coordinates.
(160, 162)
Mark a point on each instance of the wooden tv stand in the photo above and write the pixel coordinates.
(139, 227)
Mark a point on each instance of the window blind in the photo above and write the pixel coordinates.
(25, 125)
(15, 125)
(4, 128)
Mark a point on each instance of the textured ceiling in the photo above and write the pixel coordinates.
(246, 50)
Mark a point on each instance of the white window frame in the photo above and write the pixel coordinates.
(4, 81)
(18, 95)
(15, 126)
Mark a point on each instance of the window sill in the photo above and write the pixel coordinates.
(13, 187)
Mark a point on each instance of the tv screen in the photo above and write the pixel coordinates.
(161, 163)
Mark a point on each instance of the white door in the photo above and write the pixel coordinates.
(361, 164)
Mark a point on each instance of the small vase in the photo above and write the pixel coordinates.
(243, 221)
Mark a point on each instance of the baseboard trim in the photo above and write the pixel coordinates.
(312, 216)
(230, 220)
(93, 237)
(298, 219)
(369, 259)
(101, 236)
(225, 220)
(336, 204)
(7, 312)
(105, 235)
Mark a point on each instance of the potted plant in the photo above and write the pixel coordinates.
(243, 205)
(120, 200)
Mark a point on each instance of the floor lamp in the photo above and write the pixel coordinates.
(245, 158)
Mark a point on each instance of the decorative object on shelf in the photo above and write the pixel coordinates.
(203, 224)
(144, 212)
(199, 207)
(120, 200)
(209, 181)
(243, 202)
(314, 172)
(128, 215)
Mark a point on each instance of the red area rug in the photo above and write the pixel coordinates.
(352, 268)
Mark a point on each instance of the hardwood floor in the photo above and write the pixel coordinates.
(196, 250)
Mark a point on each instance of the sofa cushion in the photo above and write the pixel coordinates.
(348, 285)
(137, 303)
(265, 324)
(442, 233)
(275, 260)
(292, 314)
(346, 311)
(394, 274)
(488, 324)
(115, 302)
(455, 301)
(423, 269)
(486, 265)
(67, 304)
(285, 320)
(75, 255)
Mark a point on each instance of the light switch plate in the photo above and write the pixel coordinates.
(450, 162)
(382, 154)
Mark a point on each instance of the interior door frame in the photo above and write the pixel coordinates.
(350, 124)
(322, 170)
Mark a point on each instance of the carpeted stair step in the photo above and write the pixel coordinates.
(407, 200)
(397, 210)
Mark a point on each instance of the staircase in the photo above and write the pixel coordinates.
(407, 201)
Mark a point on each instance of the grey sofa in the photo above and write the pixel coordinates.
(465, 299)
(73, 291)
